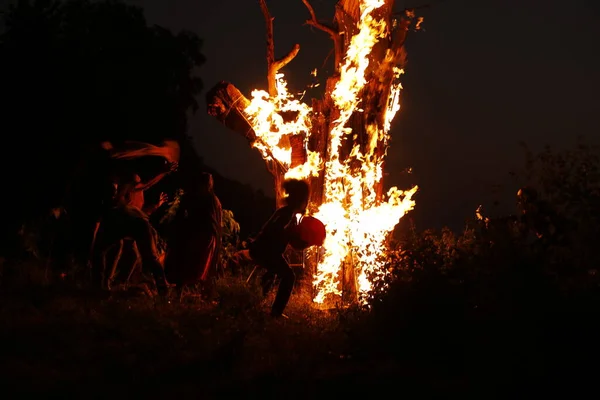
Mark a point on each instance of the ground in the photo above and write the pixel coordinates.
(58, 340)
(61, 341)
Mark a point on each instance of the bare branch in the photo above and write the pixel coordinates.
(314, 22)
(273, 66)
(335, 36)
(270, 45)
(282, 62)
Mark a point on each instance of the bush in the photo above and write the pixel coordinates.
(509, 287)
(230, 239)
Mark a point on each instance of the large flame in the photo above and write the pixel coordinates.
(357, 224)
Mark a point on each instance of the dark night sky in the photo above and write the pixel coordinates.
(483, 76)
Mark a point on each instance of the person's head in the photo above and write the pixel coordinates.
(207, 181)
(297, 194)
(125, 188)
(201, 184)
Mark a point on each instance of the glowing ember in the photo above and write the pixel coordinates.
(357, 225)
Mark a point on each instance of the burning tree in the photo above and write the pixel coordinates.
(337, 143)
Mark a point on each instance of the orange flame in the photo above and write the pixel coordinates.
(357, 225)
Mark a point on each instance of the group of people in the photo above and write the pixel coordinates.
(192, 253)
(193, 250)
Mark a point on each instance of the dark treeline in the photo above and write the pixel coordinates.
(76, 73)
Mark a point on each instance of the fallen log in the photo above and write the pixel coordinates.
(226, 103)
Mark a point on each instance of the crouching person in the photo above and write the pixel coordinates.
(268, 248)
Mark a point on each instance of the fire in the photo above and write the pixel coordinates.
(269, 125)
(357, 224)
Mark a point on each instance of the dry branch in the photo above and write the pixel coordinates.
(282, 62)
(332, 32)
(314, 22)
(269, 33)
(273, 66)
(227, 104)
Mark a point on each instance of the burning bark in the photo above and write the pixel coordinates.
(227, 104)
(338, 144)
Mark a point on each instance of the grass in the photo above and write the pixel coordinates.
(67, 342)
(58, 340)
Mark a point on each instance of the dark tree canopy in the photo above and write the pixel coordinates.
(96, 67)
(74, 73)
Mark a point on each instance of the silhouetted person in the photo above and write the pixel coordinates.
(102, 172)
(268, 247)
(126, 220)
(129, 245)
(195, 248)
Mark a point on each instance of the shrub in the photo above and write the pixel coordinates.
(517, 273)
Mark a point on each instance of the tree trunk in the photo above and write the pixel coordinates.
(368, 125)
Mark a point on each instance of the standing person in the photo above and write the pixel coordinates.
(195, 249)
(125, 219)
(129, 245)
(268, 247)
(102, 172)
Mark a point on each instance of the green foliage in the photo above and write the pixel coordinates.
(513, 268)
(570, 180)
(230, 239)
(231, 229)
(172, 207)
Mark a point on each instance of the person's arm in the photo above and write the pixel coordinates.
(276, 225)
(149, 209)
(289, 230)
(147, 185)
(292, 236)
